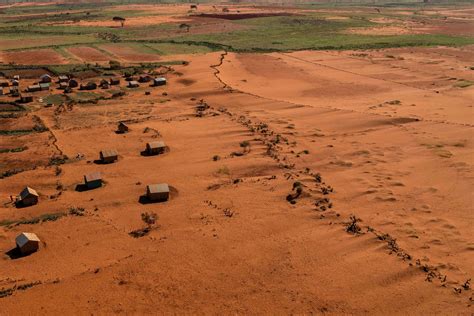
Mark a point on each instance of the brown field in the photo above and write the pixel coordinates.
(88, 54)
(33, 57)
(129, 53)
(378, 141)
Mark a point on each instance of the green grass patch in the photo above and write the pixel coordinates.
(85, 97)
(49, 217)
(55, 99)
(13, 150)
(299, 33)
(16, 132)
(173, 49)
(20, 41)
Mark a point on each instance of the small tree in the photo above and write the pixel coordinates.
(119, 19)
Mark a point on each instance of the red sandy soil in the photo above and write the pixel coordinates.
(88, 54)
(33, 57)
(228, 241)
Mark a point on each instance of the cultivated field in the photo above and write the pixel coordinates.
(319, 159)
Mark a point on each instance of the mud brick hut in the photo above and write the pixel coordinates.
(27, 243)
(108, 156)
(93, 180)
(89, 86)
(145, 78)
(73, 83)
(26, 98)
(158, 192)
(63, 85)
(155, 148)
(45, 78)
(14, 92)
(114, 81)
(28, 197)
(63, 78)
(15, 83)
(159, 82)
(122, 127)
(33, 88)
(44, 86)
(133, 84)
(16, 77)
(104, 84)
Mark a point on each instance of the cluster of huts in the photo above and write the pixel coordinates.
(11, 87)
(28, 243)
(67, 84)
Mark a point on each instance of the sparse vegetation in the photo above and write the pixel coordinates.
(353, 226)
(297, 189)
(463, 83)
(13, 150)
(224, 170)
(150, 223)
(76, 211)
(49, 217)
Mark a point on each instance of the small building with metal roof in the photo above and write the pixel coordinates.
(44, 86)
(158, 192)
(108, 155)
(27, 243)
(93, 180)
(63, 78)
(33, 88)
(114, 81)
(45, 78)
(122, 127)
(133, 84)
(155, 148)
(26, 98)
(159, 81)
(28, 197)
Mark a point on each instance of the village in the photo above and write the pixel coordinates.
(28, 242)
(11, 87)
(242, 157)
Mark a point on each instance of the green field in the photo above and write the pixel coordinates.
(313, 29)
